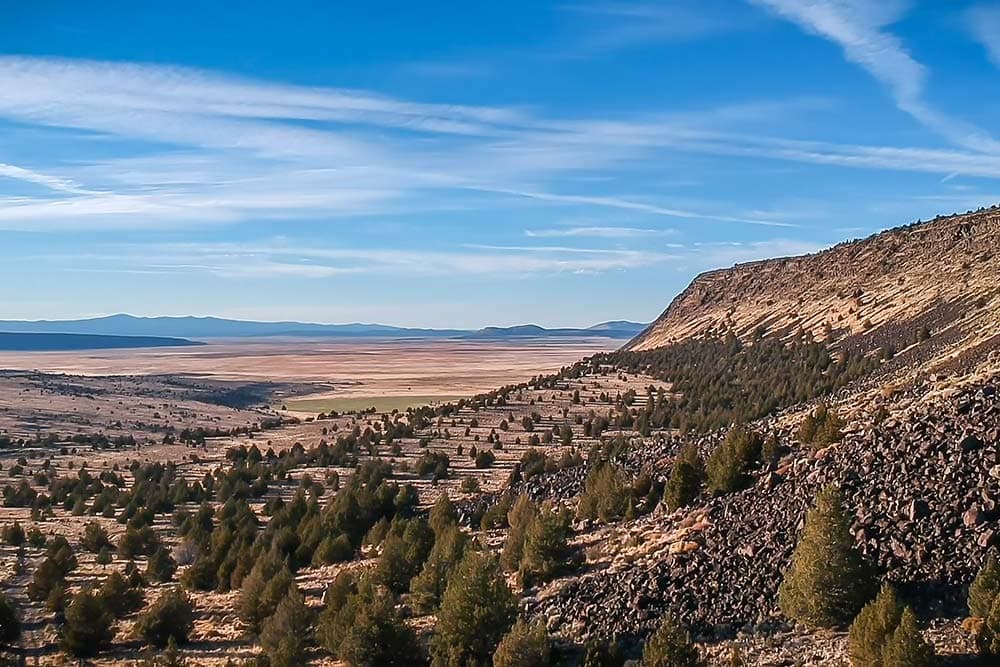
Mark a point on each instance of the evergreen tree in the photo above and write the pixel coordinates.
(873, 627)
(95, 537)
(428, 587)
(524, 646)
(827, 583)
(263, 589)
(118, 598)
(605, 495)
(171, 616)
(907, 647)
(519, 518)
(88, 627)
(546, 547)
(443, 514)
(670, 646)
(985, 588)
(360, 625)
(13, 534)
(685, 479)
(726, 468)
(476, 611)
(286, 633)
(161, 566)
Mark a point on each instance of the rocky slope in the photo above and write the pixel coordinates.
(923, 483)
(941, 275)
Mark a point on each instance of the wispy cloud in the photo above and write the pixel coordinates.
(598, 232)
(983, 23)
(610, 26)
(276, 258)
(183, 147)
(859, 28)
(631, 205)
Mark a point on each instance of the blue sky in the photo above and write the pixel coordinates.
(462, 164)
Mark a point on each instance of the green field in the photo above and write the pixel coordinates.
(380, 403)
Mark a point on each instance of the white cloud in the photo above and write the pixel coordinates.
(983, 23)
(183, 147)
(598, 232)
(858, 27)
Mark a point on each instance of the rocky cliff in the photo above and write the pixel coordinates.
(941, 277)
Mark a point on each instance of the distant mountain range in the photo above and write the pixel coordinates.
(214, 327)
(66, 342)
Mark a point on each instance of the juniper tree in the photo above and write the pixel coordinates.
(907, 647)
(545, 548)
(476, 611)
(685, 479)
(605, 496)
(727, 466)
(827, 582)
(171, 616)
(88, 627)
(602, 654)
(519, 518)
(285, 635)
(524, 646)
(161, 566)
(873, 627)
(428, 587)
(670, 646)
(985, 588)
(118, 597)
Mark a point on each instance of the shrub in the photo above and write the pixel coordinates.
(670, 646)
(476, 611)
(821, 427)
(601, 654)
(524, 646)
(161, 566)
(485, 458)
(827, 583)
(88, 626)
(171, 616)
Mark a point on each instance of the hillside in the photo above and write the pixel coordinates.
(941, 277)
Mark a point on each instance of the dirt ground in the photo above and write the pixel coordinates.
(142, 392)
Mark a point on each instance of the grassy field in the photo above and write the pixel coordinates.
(380, 403)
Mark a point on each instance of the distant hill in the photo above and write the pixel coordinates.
(56, 342)
(215, 327)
